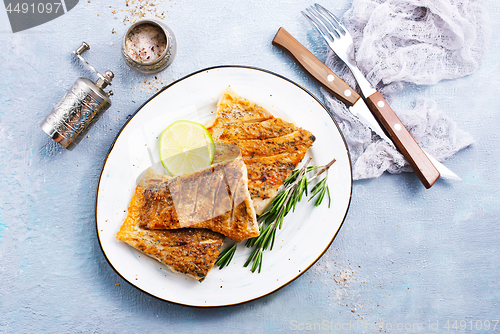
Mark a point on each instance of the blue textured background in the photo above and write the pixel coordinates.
(405, 255)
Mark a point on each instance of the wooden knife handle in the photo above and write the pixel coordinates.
(423, 167)
(315, 67)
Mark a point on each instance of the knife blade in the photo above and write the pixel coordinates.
(342, 91)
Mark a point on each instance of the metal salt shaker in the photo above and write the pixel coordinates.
(163, 61)
(79, 108)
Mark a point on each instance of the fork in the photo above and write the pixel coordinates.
(340, 41)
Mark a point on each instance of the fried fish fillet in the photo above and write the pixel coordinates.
(297, 141)
(270, 128)
(267, 174)
(271, 147)
(189, 251)
(231, 108)
(216, 198)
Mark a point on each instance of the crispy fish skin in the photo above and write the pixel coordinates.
(267, 174)
(271, 147)
(216, 198)
(189, 251)
(157, 206)
(297, 141)
(233, 108)
(270, 128)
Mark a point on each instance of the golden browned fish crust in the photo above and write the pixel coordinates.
(189, 251)
(234, 108)
(271, 147)
(298, 141)
(267, 174)
(271, 128)
(216, 198)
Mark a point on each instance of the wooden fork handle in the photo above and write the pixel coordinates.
(423, 167)
(315, 67)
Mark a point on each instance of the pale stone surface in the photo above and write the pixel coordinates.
(404, 255)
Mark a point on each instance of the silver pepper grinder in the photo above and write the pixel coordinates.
(79, 108)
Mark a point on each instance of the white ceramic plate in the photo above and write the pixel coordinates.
(307, 233)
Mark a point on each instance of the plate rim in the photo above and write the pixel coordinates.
(161, 91)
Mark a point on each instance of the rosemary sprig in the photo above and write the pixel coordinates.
(294, 188)
(226, 256)
(321, 187)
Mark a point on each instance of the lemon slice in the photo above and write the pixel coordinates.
(186, 147)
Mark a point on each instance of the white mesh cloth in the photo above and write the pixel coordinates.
(413, 41)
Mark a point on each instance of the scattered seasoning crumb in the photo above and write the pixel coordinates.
(117, 284)
(113, 31)
(154, 85)
(348, 287)
(139, 9)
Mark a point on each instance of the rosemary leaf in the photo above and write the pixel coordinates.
(251, 257)
(318, 188)
(226, 256)
(320, 197)
(258, 261)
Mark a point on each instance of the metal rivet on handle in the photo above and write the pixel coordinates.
(347, 92)
(397, 127)
(330, 78)
(381, 104)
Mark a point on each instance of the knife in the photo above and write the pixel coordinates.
(342, 91)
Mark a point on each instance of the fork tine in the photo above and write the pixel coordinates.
(324, 22)
(319, 25)
(334, 20)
